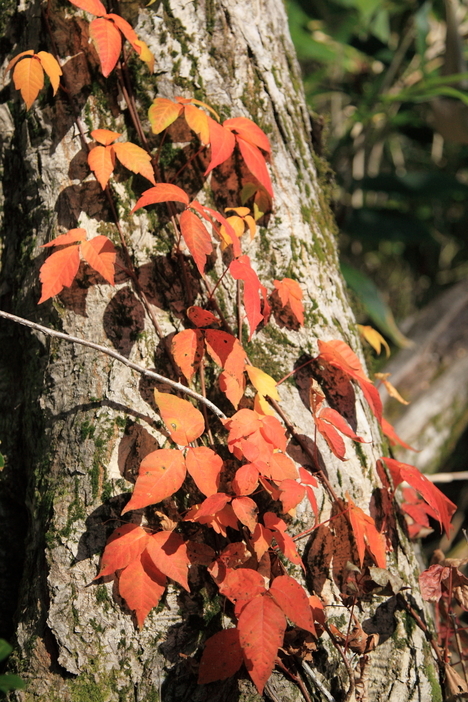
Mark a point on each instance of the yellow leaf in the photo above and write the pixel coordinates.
(262, 382)
(52, 68)
(262, 406)
(373, 338)
(392, 391)
(28, 77)
(198, 122)
(145, 54)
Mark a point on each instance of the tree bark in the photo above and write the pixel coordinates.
(75, 424)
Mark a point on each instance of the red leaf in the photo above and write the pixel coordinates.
(222, 657)
(212, 217)
(255, 162)
(261, 630)
(222, 144)
(94, 7)
(241, 269)
(100, 253)
(248, 131)
(245, 480)
(290, 293)
(274, 432)
(142, 585)
(335, 418)
(162, 192)
(101, 161)
(242, 584)
(123, 546)
(284, 540)
(183, 421)
(108, 42)
(205, 466)
(294, 601)
(201, 317)
(430, 582)
(291, 494)
(196, 237)
(331, 436)
(161, 474)
(365, 532)
(187, 348)
(59, 271)
(392, 436)
(212, 505)
(442, 506)
(163, 113)
(168, 552)
(246, 512)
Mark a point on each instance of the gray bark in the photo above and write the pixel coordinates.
(75, 425)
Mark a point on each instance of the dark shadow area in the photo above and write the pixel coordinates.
(84, 197)
(134, 446)
(124, 320)
(163, 281)
(284, 316)
(382, 621)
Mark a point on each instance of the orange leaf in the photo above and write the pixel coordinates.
(365, 532)
(187, 349)
(196, 237)
(162, 192)
(436, 499)
(105, 136)
(194, 101)
(222, 657)
(281, 467)
(135, 159)
(232, 386)
(163, 113)
(214, 218)
(183, 421)
(100, 253)
(249, 131)
(246, 479)
(201, 317)
(108, 42)
(291, 494)
(168, 552)
(255, 162)
(393, 437)
(142, 585)
(161, 474)
(94, 7)
(197, 120)
(246, 512)
(15, 60)
(294, 601)
(71, 237)
(242, 584)
(28, 77)
(337, 353)
(222, 143)
(283, 539)
(241, 269)
(52, 67)
(261, 540)
(290, 293)
(205, 467)
(126, 29)
(123, 546)
(261, 630)
(226, 352)
(59, 271)
(101, 160)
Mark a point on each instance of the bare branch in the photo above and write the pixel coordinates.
(118, 357)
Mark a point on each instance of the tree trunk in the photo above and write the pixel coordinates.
(76, 424)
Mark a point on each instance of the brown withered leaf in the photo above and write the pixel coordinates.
(386, 579)
(460, 588)
(298, 642)
(455, 686)
(360, 642)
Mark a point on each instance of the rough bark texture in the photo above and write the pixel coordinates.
(75, 425)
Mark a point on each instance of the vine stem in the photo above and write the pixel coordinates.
(113, 354)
